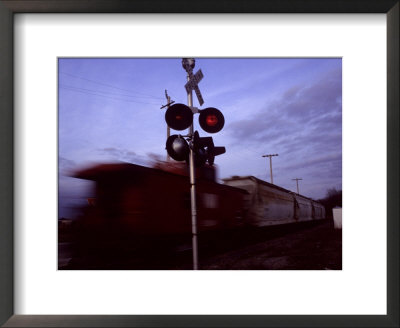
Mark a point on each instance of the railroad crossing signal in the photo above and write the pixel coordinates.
(177, 148)
(192, 84)
(179, 117)
(211, 120)
(204, 150)
(194, 80)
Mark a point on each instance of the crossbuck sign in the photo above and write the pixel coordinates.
(192, 84)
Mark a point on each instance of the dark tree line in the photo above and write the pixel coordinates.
(332, 199)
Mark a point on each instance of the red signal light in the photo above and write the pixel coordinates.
(211, 120)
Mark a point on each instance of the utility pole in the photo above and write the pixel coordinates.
(169, 103)
(297, 183)
(270, 164)
(188, 65)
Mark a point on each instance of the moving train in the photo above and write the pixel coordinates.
(144, 201)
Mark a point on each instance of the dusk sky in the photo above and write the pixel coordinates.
(109, 111)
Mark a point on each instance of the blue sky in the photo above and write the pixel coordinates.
(109, 110)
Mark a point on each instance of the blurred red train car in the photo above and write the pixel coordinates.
(147, 201)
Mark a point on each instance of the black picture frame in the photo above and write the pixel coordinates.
(10, 7)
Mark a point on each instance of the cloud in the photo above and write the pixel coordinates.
(303, 125)
(65, 162)
(299, 109)
(123, 155)
(316, 161)
(65, 166)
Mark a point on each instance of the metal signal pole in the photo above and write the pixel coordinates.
(270, 165)
(297, 183)
(169, 103)
(168, 128)
(188, 65)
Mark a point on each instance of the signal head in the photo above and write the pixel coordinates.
(201, 142)
(214, 151)
(179, 117)
(177, 148)
(204, 150)
(211, 120)
(200, 157)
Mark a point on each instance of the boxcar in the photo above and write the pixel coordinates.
(268, 204)
(143, 200)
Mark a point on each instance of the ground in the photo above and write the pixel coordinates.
(316, 246)
(312, 245)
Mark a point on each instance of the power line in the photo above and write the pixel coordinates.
(101, 92)
(111, 86)
(96, 93)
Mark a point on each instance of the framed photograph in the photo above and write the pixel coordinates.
(67, 64)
